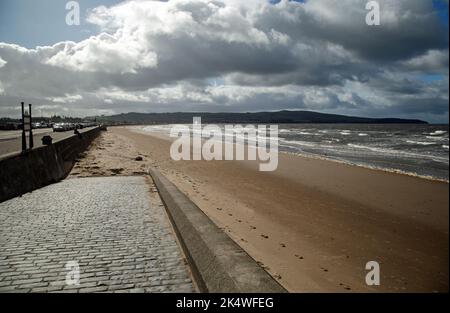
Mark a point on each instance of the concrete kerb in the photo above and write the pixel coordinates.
(218, 264)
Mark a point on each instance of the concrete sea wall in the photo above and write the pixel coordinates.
(24, 172)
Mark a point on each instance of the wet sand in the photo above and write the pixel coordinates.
(312, 224)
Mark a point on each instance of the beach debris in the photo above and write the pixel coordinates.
(116, 170)
(138, 158)
(263, 266)
(345, 286)
(47, 140)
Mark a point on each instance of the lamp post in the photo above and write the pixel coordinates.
(24, 140)
(31, 129)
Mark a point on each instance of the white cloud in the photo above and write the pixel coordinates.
(118, 94)
(431, 61)
(118, 53)
(2, 63)
(66, 99)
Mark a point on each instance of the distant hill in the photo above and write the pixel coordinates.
(279, 117)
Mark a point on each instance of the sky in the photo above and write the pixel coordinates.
(225, 56)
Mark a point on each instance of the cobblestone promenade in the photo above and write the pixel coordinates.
(113, 229)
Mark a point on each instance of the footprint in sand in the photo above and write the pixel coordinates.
(252, 227)
(324, 269)
(299, 257)
(345, 286)
(282, 245)
(264, 236)
(230, 214)
(219, 209)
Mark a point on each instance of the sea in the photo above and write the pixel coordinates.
(418, 150)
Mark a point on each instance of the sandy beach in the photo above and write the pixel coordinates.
(312, 224)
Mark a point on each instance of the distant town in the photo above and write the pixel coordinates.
(58, 123)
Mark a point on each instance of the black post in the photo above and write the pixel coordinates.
(24, 140)
(31, 130)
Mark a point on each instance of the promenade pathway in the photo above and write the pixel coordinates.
(113, 229)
